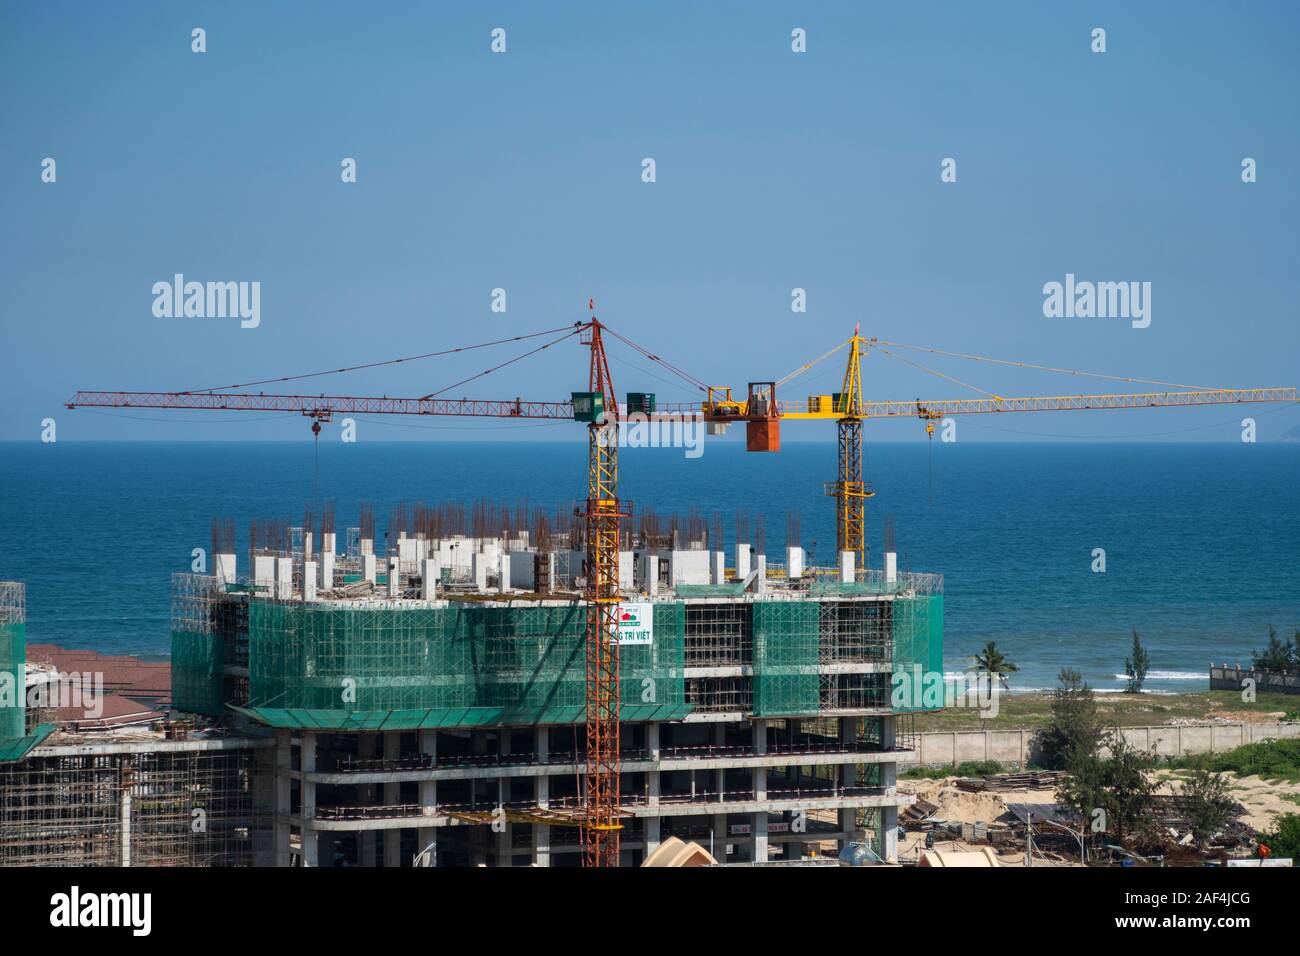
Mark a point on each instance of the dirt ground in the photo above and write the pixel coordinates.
(1264, 800)
(960, 806)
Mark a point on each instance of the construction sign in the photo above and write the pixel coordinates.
(636, 623)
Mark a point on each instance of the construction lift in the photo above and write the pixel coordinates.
(762, 413)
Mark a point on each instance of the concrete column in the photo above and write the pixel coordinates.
(369, 568)
(504, 837)
(889, 776)
(654, 787)
(846, 567)
(280, 827)
(758, 831)
(542, 832)
(394, 576)
(326, 570)
(653, 834)
(223, 566)
(309, 581)
(719, 568)
(428, 794)
(368, 745)
(479, 568)
(760, 583)
(891, 567)
(848, 729)
(758, 821)
(307, 810)
(720, 837)
(284, 578)
(793, 731)
(742, 561)
(392, 793)
(849, 825)
(626, 572)
(477, 785)
(889, 732)
(652, 574)
(793, 562)
(264, 570)
(124, 809)
(429, 576)
(889, 832)
(720, 776)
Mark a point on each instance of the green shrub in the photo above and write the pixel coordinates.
(1284, 839)
(1270, 759)
(971, 768)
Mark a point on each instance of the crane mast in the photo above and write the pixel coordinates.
(849, 490)
(603, 515)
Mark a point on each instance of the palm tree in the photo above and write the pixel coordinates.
(992, 661)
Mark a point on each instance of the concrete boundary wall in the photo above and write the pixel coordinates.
(950, 748)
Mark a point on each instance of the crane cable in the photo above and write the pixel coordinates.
(396, 361)
(685, 376)
(974, 388)
(1041, 368)
(569, 334)
(803, 368)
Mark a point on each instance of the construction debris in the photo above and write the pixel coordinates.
(1029, 780)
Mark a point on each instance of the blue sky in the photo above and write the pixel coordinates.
(775, 170)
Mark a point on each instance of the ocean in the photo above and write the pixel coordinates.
(1202, 541)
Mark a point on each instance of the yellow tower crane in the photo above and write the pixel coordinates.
(763, 412)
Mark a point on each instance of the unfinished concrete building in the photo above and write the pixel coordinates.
(129, 796)
(420, 699)
(426, 697)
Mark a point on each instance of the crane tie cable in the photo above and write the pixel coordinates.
(489, 371)
(923, 368)
(803, 368)
(1043, 368)
(354, 368)
(685, 376)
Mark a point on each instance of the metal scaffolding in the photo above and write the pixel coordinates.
(719, 634)
(158, 808)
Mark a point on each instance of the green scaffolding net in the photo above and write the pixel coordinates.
(448, 666)
(13, 666)
(918, 654)
(196, 673)
(196, 647)
(786, 640)
(13, 660)
(834, 655)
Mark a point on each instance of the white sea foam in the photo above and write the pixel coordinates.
(1170, 675)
